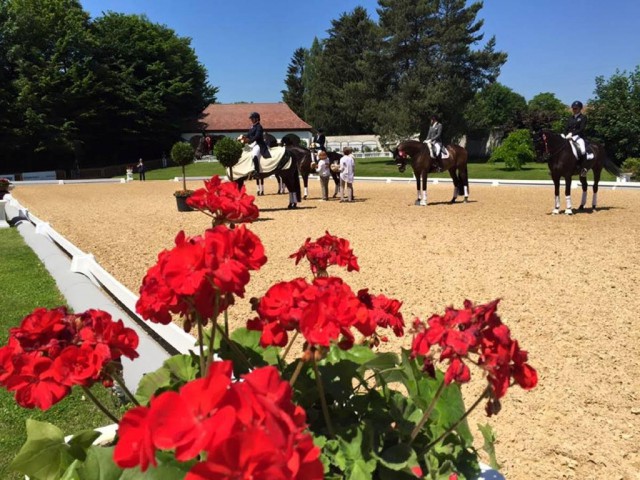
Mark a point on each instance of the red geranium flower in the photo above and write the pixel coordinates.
(225, 202)
(325, 251)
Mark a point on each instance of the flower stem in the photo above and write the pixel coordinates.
(323, 400)
(214, 321)
(201, 346)
(120, 381)
(427, 413)
(296, 373)
(286, 351)
(99, 404)
(466, 414)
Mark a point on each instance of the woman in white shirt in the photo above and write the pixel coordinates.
(347, 172)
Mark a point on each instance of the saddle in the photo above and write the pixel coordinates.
(280, 159)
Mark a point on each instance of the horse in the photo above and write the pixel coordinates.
(422, 163)
(304, 159)
(286, 167)
(561, 157)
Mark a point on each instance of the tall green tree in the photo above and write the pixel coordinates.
(315, 91)
(8, 94)
(545, 110)
(614, 113)
(343, 73)
(47, 48)
(496, 107)
(151, 85)
(432, 51)
(294, 94)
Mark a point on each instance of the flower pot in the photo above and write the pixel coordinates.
(182, 204)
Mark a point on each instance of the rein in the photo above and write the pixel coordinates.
(547, 153)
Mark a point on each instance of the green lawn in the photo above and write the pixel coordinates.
(26, 285)
(385, 167)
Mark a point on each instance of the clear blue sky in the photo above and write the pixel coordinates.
(557, 46)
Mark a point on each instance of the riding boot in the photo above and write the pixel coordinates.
(256, 168)
(439, 163)
(587, 163)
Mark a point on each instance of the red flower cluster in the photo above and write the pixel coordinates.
(323, 311)
(188, 278)
(327, 250)
(248, 429)
(474, 330)
(225, 201)
(52, 350)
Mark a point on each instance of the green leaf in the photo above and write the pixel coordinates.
(251, 339)
(99, 465)
(398, 457)
(81, 442)
(358, 354)
(182, 367)
(361, 470)
(489, 444)
(151, 383)
(44, 455)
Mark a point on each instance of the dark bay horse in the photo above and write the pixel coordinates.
(422, 163)
(303, 159)
(559, 155)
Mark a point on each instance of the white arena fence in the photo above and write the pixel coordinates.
(86, 264)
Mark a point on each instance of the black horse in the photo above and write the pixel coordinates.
(422, 163)
(561, 157)
(287, 168)
(303, 157)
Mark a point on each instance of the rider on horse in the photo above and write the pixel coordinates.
(434, 140)
(259, 149)
(319, 141)
(575, 131)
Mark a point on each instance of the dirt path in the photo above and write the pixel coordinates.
(569, 287)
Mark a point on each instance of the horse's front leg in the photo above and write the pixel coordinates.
(456, 184)
(583, 200)
(567, 194)
(596, 181)
(423, 199)
(305, 181)
(417, 175)
(556, 189)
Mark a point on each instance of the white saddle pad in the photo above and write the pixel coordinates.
(267, 165)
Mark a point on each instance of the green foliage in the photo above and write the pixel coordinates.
(546, 111)
(182, 154)
(77, 92)
(228, 151)
(293, 96)
(632, 165)
(614, 115)
(495, 107)
(515, 150)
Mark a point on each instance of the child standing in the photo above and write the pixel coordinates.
(347, 172)
(324, 173)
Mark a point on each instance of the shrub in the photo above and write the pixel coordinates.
(182, 155)
(632, 165)
(228, 151)
(515, 150)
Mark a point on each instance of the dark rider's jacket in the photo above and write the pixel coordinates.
(256, 134)
(576, 125)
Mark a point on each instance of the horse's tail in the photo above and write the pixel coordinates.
(611, 167)
(463, 172)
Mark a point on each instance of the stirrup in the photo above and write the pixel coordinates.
(583, 172)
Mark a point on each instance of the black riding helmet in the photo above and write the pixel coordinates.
(254, 116)
(576, 104)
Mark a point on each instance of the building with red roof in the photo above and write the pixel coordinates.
(232, 119)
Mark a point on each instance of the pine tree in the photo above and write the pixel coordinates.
(293, 96)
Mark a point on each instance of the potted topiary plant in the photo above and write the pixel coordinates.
(228, 151)
(182, 154)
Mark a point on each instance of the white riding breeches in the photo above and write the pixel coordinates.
(579, 141)
(434, 147)
(255, 151)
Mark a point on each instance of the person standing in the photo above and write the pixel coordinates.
(259, 148)
(324, 174)
(434, 140)
(141, 170)
(575, 131)
(347, 173)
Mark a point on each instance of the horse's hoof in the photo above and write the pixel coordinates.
(292, 206)
(452, 201)
(581, 207)
(304, 197)
(466, 200)
(568, 211)
(555, 211)
(594, 208)
(417, 202)
(423, 203)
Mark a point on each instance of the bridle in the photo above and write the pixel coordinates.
(547, 154)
